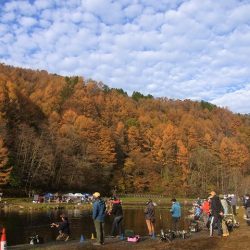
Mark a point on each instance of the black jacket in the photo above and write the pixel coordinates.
(64, 227)
(216, 206)
(117, 209)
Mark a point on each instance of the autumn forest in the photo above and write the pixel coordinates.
(74, 134)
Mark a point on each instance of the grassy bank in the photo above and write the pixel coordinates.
(158, 200)
(27, 204)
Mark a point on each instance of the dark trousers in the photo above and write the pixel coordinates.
(175, 223)
(99, 228)
(117, 225)
(216, 220)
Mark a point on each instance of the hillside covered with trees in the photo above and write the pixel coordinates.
(68, 133)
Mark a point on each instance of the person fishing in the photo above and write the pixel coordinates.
(206, 212)
(217, 212)
(247, 208)
(63, 227)
(118, 217)
(224, 204)
(197, 211)
(176, 214)
(98, 215)
(233, 204)
(149, 212)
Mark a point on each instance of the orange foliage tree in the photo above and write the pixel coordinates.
(4, 169)
(68, 133)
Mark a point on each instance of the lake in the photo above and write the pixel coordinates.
(21, 225)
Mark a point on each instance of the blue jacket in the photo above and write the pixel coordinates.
(176, 210)
(99, 209)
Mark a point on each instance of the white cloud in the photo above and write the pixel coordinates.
(175, 48)
(7, 38)
(8, 17)
(19, 6)
(150, 21)
(11, 6)
(133, 11)
(27, 21)
(237, 101)
(108, 11)
(3, 28)
(240, 14)
(41, 4)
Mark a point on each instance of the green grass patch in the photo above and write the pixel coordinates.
(27, 204)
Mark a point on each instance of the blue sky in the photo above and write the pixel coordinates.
(192, 49)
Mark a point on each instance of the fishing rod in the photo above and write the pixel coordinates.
(38, 226)
(162, 234)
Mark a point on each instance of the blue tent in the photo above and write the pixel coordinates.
(48, 195)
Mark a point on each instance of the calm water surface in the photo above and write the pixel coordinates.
(21, 225)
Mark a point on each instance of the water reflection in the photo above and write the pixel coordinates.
(21, 225)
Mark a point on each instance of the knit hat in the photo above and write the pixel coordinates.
(96, 195)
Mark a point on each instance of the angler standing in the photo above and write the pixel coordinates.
(99, 209)
(217, 213)
(176, 213)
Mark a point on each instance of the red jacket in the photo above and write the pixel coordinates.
(206, 207)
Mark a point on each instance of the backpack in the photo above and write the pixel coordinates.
(129, 233)
(134, 239)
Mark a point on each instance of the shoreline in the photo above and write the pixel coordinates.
(198, 241)
(238, 239)
(26, 204)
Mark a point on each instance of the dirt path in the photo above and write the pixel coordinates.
(239, 239)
